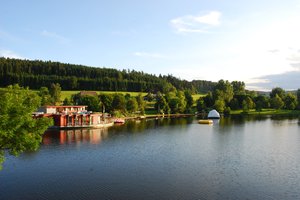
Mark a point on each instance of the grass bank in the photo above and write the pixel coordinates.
(266, 112)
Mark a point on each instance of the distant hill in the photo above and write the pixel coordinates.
(37, 73)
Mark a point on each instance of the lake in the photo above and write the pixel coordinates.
(235, 158)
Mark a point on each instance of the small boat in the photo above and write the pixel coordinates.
(102, 125)
(205, 121)
(119, 121)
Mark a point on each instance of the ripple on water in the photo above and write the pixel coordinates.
(166, 159)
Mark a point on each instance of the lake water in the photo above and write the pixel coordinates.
(236, 158)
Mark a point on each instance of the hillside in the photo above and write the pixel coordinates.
(36, 73)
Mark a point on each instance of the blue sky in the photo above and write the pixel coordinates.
(257, 42)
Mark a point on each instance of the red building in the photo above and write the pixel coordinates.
(72, 116)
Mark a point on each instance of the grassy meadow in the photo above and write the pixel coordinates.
(68, 93)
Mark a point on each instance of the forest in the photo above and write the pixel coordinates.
(226, 97)
(35, 74)
(170, 94)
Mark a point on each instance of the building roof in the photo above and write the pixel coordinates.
(76, 106)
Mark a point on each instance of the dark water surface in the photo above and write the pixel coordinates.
(162, 159)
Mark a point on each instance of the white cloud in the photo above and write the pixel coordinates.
(294, 56)
(212, 18)
(10, 54)
(288, 81)
(197, 23)
(55, 36)
(148, 55)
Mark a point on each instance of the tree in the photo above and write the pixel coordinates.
(248, 104)
(170, 95)
(45, 96)
(227, 110)
(277, 91)
(251, 93)
(127, 96)
(258, 106)
(234, 104)
(119, 102)
(106, 102)
(238, 87)
(141, 104)
(201, 105)
(92, 102)
(174, 105)
(55, 92)
(19, 131)
(73, 83)
(35, 74)
(219, 105)
(290, 101)
(181, 102)
(261, 102)
(276, 102)
(161, 104)
(176, 101)
(150, 97)
(223, 91)
(67, 102)
(189, 101)
(132, 105)
(209, 100)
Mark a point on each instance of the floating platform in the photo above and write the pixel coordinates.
(205, 121)
(92, 126)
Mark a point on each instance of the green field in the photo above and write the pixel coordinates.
(197, 96)
(68, 94)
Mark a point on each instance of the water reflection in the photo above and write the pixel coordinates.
(93, 136)
(236, 158)
(140, 126)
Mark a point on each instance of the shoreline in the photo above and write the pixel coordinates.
(158, 116)
(265, 112)
(292, 113)
(268, 112)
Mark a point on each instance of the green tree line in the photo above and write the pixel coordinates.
(228, 96)
(175, 101)
(36, 74)
(224, 97)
